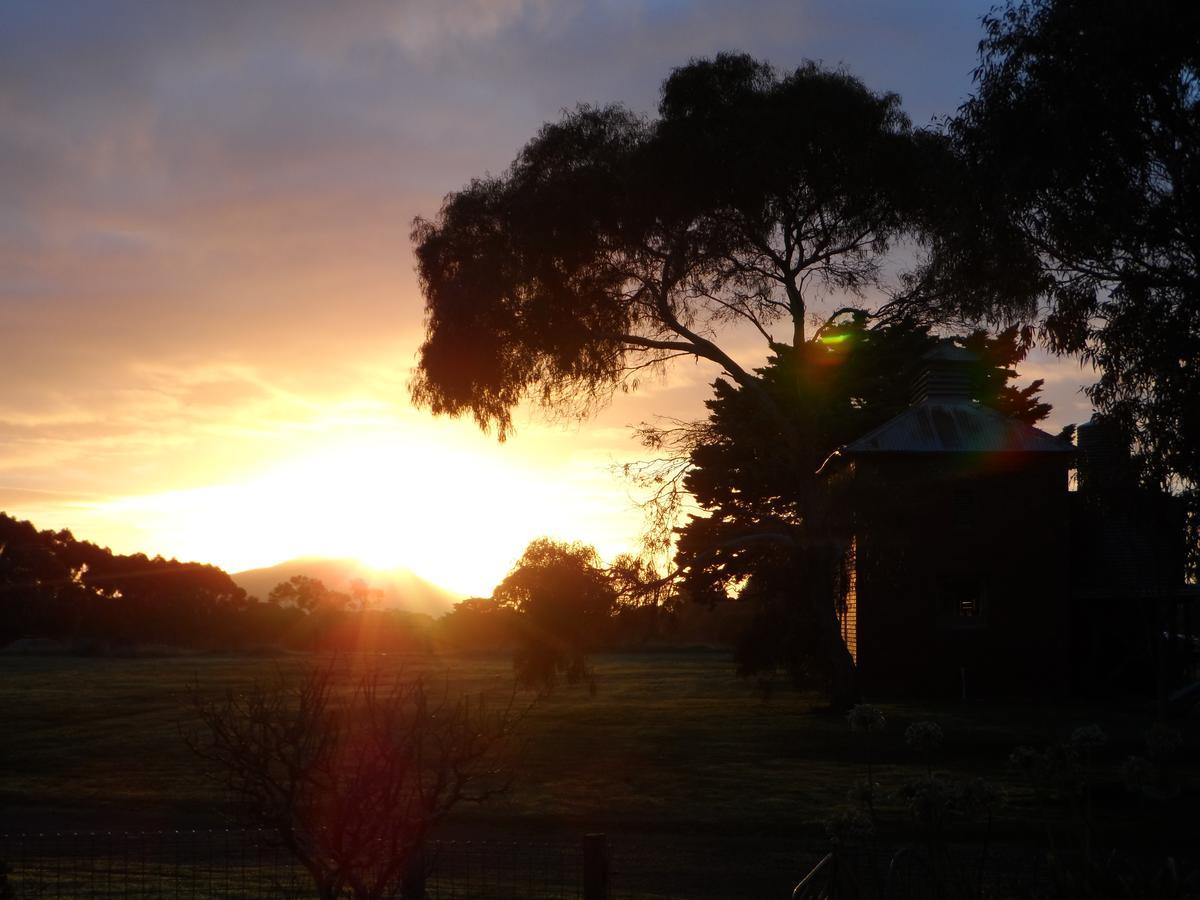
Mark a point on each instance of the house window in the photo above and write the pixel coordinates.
(963, 600)
(847, 611)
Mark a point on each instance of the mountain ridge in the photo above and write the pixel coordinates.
(402, 588)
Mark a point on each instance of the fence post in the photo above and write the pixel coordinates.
(595, 867)
(412, 886)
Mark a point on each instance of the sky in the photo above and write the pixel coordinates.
(208, 307)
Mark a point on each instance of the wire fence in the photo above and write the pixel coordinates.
(239, 864)
(497, 870)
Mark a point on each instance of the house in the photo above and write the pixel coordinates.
(974, 567)
(957, 576)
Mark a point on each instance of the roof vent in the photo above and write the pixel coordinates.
(945, 375)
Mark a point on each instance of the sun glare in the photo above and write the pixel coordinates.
(455, 515)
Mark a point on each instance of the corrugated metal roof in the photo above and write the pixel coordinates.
(934, 426)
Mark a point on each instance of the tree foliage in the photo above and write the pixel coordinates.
(564, 597)
(305, 594)
(480, 625)
(614, 244)
(52, 584)
(311, 595)
(1083, 140)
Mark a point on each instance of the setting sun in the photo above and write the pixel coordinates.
(455, 508)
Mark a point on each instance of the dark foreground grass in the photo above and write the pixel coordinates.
(672, 752)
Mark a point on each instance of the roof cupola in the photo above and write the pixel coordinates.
(945, 375)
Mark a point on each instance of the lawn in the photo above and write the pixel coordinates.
(672, 750)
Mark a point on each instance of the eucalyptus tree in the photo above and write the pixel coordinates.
(615, 244)
(1082, 144)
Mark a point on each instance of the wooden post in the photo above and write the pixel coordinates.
(595, 867)
(413, 883)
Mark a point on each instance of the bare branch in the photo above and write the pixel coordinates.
(352, 772)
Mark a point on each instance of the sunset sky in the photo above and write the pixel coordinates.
(207, 299)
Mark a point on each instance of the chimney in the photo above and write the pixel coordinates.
(945, 375)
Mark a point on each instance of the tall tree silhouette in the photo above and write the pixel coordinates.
(1084, 138)
(564, 597)
(614, 245)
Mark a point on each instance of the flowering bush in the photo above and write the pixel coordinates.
(867, 718)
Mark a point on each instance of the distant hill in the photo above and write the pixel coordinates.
(401, 588)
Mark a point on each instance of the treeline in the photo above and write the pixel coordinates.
(89, 599)
(483, 625)
(54, 586)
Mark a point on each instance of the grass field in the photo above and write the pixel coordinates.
(671, 750)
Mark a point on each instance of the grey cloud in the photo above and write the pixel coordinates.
(228, 182)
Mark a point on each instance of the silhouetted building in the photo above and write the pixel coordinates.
(972, 569)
